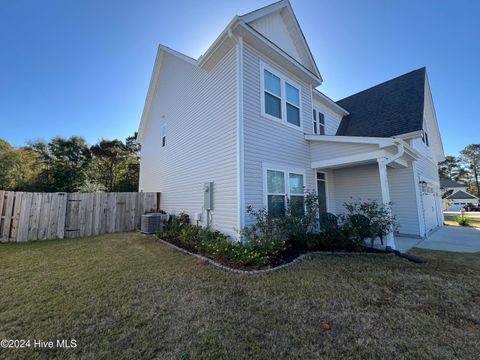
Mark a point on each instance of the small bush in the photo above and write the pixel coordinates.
(368, 219)
(255, 253)
(463, 220)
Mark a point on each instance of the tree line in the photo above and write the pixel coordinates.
(464, 168)
(70, 165)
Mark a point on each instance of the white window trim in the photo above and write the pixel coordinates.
(327, 198)
(283, 96)
(317, 121)
(286, 170)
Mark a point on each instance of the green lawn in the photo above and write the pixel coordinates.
(127, 296)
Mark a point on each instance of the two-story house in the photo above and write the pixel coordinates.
(247, 117)
(456, 193)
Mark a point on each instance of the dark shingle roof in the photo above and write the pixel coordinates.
(449, 183)
(391, 108)
(461, 195)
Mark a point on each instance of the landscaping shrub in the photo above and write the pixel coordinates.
(367, 219)
(298, 226)
(463, 220)
(269, 239)
(255, 253)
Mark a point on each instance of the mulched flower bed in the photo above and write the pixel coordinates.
(288, 256)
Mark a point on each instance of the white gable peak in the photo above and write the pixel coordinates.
(278, 24)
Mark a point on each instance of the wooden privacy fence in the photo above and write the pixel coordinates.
(28, 216)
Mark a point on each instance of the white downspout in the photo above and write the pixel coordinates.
(240, 151)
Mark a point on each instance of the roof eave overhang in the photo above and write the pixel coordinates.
(380, 141)
(238, 28)
(324, 99)
(278, 6)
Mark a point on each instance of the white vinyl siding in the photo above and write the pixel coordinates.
(199, 110)
(356, 183)
(332, 119)
(404, 200)
(427, 171)
(320, 150)
(363, 183)
(267, 141)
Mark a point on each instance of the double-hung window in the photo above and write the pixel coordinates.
(293, 104)
(276, 193)
(282, 186)
(273, 94)
(280, 98)
(318, 122)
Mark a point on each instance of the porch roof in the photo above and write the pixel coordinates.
(329, 151)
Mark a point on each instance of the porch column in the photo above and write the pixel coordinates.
(382, 170)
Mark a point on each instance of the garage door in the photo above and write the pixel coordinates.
(430, 207)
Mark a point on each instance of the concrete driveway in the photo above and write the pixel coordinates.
(447, 238)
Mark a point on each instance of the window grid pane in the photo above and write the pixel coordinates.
(293, 95)
(293, 115)
(272, 83)
(297, 205)
(275, 182)
(273, 105)
(276, 205)
(321, 118)
(322, 129)
(296, 184)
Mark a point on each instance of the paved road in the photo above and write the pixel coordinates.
(447, 238)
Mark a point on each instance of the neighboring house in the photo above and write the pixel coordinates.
(456, 193)
(247, 116)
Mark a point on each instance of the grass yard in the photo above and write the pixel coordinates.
(125, 296)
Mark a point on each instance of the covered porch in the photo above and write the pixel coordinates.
(352, 168)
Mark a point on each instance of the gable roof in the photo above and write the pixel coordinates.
(462, 195)
(277, 22)
(391, 108)
(449, 183)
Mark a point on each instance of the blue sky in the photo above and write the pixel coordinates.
(70, 67)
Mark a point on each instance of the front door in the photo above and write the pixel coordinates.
(322, 192)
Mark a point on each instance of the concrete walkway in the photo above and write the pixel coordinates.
(447, 238)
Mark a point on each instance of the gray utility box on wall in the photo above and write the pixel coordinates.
(208, 196)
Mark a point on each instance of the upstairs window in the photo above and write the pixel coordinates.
(164, 136)
(318, 122)
(425, 134)
(293, 104)
(273, 95)
(280, 98)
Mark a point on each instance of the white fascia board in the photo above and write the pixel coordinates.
(264, 11)
(218, 41)
(411, 135)
(178, 55)
(382, 142)
(324, 99)
(348, 160)
(265, 41)
(150, 93)
(278, 6)
(441, 154)
(153, 83)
